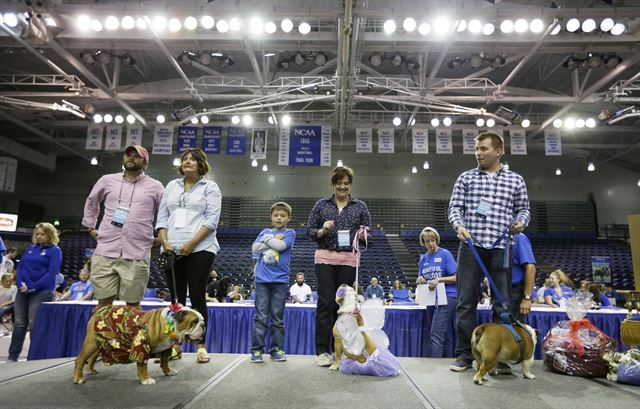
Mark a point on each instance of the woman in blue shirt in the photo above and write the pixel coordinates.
(437, 266)
(35, 279)
(557, 295)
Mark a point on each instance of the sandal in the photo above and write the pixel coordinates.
(202, 356)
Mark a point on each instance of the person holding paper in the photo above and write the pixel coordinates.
(437, 270)
(187, 224)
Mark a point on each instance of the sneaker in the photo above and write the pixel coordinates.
(501, 369)
(278, 355)
(460, 365)
(256, 357)
(323, 359)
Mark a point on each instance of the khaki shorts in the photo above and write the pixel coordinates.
(126, 279)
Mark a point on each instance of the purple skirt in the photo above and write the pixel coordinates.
(381, 363)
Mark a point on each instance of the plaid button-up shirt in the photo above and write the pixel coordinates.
(506, 192)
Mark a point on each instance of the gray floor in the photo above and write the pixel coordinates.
(231, 381)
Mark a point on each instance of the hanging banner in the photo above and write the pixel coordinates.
(443, 141)
(236, 140)
(469, 141)
(552, 142)
(420, 141)
(386, 140)
(113, 140)
(8, 173)
(187, 138)
(163, 140)
(518, 142)
(364, 140)
(308, 145)
(259, 144)
(134, 135)
(94, 137)
(211, 136)
(601, 269)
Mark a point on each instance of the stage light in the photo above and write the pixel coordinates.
(111, 23)
(141, 23)
(96, 26)
(204, 119)
(286, 25)
(462, 26)
(557, 123)
(256, 25)
(108, 118)
(320, 59)
(271, 120)
(475, 61)
(191, 23)
(475, 26)
(159, 23)
(435, 122)
(491, 122)
(556, 30)
(588, 25)
(488, 29)
(207, 22)
(205, 58)
(131, 119)
(160, 119)
(270, 27)
(286, 120)
(525, 123)
(389, 26)
(612, 61)
(590, 123)
(254, 163)
(83, 22)
(397, 121)
(87, 57)
(375, 59)
(595, 60)
(174, 25)
(558, 172)
(441, 25)
(579, 123)
(607, 24)
(304, 28)
(94, 161)
(234, 24)
(591, 167)
(247, 120)
(265, 167)
(119, 119)
(506, 26)
(97, 118)
(195, 120)
(638, 182)
(447, 121)
(222, 26)
(414, 170)
(425, 165)
(413, 121)
(424, 29)
(176, 162)
(573, 25)
(128, 23)
(569, 123)
(618, 29)
(235, 119)
(396, 60)
(479, 122)
(521, 26)
(409, 24)
(339, 163)
(536, 26)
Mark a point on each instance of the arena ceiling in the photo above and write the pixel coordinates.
(457, 59)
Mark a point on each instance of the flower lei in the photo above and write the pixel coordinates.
(170, 321)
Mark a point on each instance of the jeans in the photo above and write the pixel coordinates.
(469, 278)
(7, 309)
(442, 321)
(270, 301)
(517, 295)
(329, 277)
(25, 309)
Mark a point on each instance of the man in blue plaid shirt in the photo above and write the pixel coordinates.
(486, 201)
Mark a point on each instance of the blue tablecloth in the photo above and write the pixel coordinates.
(60, 328)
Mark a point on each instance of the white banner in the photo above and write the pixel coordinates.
(134, 135)
(443, 141)
(420, 141)
(163, 140)
(8, 173)
(552, 142)
(518, 142)
(94, 137)
(283, 156)
(325, 146)
(364, 140)
(386, 140)
(113, 140)
(259, 144)
(469, 141)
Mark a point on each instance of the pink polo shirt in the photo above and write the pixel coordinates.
(134, 239)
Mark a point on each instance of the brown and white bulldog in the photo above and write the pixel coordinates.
(124, 334)
(493, 343)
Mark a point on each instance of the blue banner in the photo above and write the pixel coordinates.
(601, 269)
(305, 145)
(187, 137)
(236, 141)
(211, 136)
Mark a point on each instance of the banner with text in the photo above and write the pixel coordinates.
(552, 142)
(308, 145)
(113, 140)
(386, 140)
(420, 141)
(364, 140)
(211, 136)
(134, 135)
(187, 138)
(518, 142)
(443, 141)
(469, 141)
(163, 140)
(259, 143)
(236, 140)
(94, 137)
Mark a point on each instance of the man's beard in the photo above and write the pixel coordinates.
(300, 284)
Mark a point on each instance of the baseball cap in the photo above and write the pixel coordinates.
(140, 149)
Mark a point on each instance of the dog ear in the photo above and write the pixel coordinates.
(339, 300)
(180, 315)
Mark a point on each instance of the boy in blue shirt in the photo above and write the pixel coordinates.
(273, 250)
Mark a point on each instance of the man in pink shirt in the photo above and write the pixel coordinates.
(120, 263)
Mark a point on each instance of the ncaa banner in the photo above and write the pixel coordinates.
(443, 141)
(134, 135)
(364, 140)
(94, 137)
(420, 141)
(518, 141)
(236, 140)
(113, 140)
(469, 141)
(211, 136)
(163, 140)
(187, 138)
(386, 140)
(259, 144)
(305, 145)
(552, 143)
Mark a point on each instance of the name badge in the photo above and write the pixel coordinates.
(181, 218)
(344, 239)
(484, 207)
(120, 216)
(374, 296)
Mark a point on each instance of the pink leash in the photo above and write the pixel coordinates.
(356, 250)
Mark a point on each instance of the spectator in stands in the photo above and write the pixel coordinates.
(486, 203)
(300, 291)
(598, 297)
(6, 266)
(187, 224)
(212, 287)
(374, 290)
(564, 279)
(584, 285)
(399, 292)
(610, 292)
(437, 266)
(273, 248)
(81, 290)
(557, 295)
(548, 283)
(334, 222)
(35, 280)
(8, 293)
(236, 294)
(120, 263)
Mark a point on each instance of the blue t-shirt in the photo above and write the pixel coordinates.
(273, 266)
(604, 301)
(522, 255)
(439, 264)
(79, 290)
(566, 293)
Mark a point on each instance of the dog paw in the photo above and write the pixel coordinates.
(477, 380)
(528, 376)
(92, 372)
(78, 381)
(494, 372)
(148, 381)
(333, 367)
(171, 372)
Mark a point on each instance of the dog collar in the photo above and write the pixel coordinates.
(170, 321)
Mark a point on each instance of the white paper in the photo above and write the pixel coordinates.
(552, 142)
(428, 297)
(364, 140)
(443, 141)
(420, 141)
(518, 142)
(386, 140)
(469, 141)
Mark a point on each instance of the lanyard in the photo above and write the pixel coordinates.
(132, 192)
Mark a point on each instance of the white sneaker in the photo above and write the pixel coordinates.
(323, 359)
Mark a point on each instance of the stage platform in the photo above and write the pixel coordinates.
(232, 381)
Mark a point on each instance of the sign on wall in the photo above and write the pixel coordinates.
(211, 137)
(305, 145)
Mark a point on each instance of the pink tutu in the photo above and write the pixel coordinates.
(381, 363)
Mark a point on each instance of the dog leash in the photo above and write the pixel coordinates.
(355, 248)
